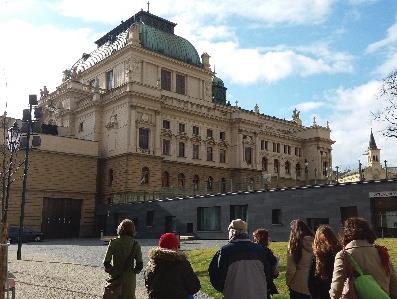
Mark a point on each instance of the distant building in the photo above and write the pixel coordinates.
(374, 170)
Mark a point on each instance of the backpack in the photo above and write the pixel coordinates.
(365, 285)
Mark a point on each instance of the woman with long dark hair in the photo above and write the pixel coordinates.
(325, 247)
(261, 237)
(358, 240)
(299, 260)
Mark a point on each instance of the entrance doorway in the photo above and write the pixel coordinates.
(170, 224)
(61, 217)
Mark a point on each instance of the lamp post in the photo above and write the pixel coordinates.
(360, 171)
(11, 143)
(386, 169)
(306, 170)
(315, 176)
(28, 131)
(337, 174)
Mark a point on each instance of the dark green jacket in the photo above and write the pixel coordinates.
(118, 251)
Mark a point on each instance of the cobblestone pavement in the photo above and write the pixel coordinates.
(73, 268)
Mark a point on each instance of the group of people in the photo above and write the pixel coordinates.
(318, 266)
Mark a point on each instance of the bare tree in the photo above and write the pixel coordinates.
(388, 111)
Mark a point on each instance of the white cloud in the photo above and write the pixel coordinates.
(351, 123)
(388, 66)
(308, 106)
(265, 11)
(389, 40)
(36, 57)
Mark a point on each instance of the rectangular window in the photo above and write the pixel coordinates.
(181, 151)
(166, 80)
(222, 155)
(296, 151)
(278, 147)
(348, 212)
(209, 153)
(180, 84)
(248, 155)
(276, 216)
(262, 145)
(238, 212)
(181, 128)
(166, 124)
(196, 151)
(166, 147)
(196, 130)
(274, 147)
(149, 218)
(325, 168)
(314, 223)
(170, 224)
(222, 135)
(81, 127)
(144, 138)
(209, 219)
(285, 149)
(109, 79)
(289, 150)
(209, 133)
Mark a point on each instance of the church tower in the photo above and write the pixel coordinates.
(373, 152)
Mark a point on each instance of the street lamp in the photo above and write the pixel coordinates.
(306, 170)
(337, 174)
(360, 171)
(27, 129)
(386, 169)
(315, 176)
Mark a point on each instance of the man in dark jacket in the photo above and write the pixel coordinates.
(240, 269)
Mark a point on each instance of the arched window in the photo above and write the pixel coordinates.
(145, 176)
(165, 179)
(287, 167)
(110, 177)
(181, 180)
(276, 166)
(210, 183)
(196, 181)
(223, 185)
(264, 164)
(298, 170)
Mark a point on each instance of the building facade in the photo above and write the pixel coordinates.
(164, 126)
(374, 169)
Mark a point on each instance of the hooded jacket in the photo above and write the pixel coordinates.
(169, 275)
(297, 275)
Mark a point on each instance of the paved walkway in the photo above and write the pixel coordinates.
(72, 268)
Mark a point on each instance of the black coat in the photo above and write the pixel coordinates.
(169, 275)
(319, 288)
(272, 260)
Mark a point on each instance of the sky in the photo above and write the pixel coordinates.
(327, 58)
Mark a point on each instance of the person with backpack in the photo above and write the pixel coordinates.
(119, 262)
(361, 256)
(261, 236)
(299, 260)
(325, 246)
(168, 274)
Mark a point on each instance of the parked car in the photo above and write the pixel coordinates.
(29, 234)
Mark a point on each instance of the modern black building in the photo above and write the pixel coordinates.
(207, 217)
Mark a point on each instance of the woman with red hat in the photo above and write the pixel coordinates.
(168, 274)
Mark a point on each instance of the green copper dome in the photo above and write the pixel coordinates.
(168, 44)
(217, 81)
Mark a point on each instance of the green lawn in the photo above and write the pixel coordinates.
(200, 260)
